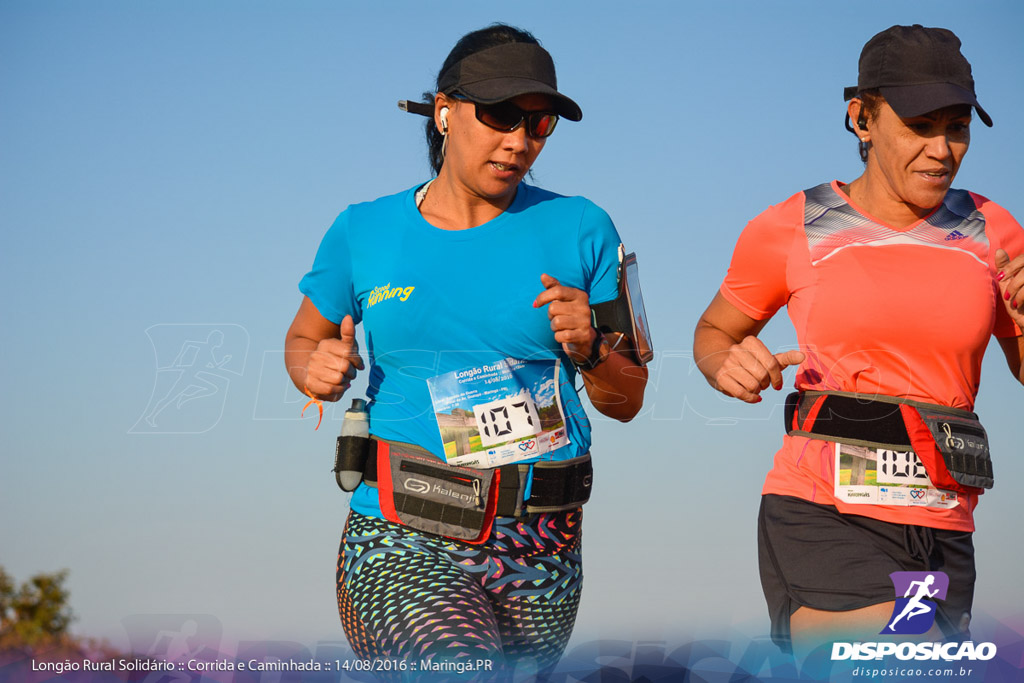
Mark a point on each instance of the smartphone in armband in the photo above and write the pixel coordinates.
(625, 313)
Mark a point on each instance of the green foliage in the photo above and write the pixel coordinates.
(6, 596)
(37, 612)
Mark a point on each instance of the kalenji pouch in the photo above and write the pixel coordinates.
(423, 493)
(952, 445)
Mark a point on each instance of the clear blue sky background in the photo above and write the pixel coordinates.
(169, 168)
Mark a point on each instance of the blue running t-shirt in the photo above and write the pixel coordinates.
(436, 301)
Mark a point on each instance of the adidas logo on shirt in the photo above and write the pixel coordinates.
(955, 235)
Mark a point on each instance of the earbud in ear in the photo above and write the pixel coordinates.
(444, 120)
(862, 122)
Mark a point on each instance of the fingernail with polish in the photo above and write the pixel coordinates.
(1000, 275)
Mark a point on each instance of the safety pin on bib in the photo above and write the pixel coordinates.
(319, 406)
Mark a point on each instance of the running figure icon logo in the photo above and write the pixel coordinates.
(195, 364)
(914, 612)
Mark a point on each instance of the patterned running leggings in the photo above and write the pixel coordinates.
(408, 596)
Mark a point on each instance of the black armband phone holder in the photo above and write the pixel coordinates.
(625, 313)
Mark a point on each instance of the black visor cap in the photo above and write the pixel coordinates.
(505, 71)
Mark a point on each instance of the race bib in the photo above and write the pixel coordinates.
(492, 415)
(878, 476)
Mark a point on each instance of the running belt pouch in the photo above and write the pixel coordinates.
(425, 494)
(951, 443)
(560, 485)
(953, 448)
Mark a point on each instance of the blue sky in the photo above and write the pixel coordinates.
(168, 169)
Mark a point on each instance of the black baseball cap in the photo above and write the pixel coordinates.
(500, 73)
(917, 70)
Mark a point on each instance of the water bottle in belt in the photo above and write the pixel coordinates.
(353, 446)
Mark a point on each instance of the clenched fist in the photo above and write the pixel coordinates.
(333, 365)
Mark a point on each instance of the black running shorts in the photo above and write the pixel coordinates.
(812, 555)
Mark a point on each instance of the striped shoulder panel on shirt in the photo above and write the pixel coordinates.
(832, 225)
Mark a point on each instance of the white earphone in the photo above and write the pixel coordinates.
(443, 115)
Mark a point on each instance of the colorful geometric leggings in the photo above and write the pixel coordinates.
(413, 596)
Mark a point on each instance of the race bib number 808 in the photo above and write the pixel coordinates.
(878, 476)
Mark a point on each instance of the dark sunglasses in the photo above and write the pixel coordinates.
(507, 117)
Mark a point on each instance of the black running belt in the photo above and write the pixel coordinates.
(556, 485)
(954, 434)
(850, 419)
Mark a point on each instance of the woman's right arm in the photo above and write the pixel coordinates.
(1011, 286)
(732, 358)
(321, 356)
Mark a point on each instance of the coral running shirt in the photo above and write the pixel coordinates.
(903, 312)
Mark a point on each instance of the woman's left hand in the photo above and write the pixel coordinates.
(569, 312)
(1010, 275)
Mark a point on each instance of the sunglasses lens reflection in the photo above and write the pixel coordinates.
(542, 125)
(507, 117)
